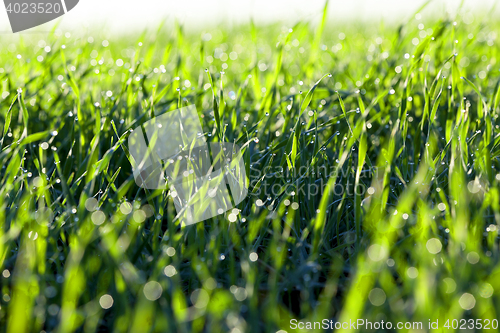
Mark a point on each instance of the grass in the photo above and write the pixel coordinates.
(372, 153)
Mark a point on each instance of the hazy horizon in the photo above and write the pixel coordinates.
(126, 15)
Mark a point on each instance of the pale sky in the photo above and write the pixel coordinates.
(127, 15)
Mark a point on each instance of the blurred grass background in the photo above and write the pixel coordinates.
(407, 115)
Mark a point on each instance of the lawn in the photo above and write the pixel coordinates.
(373, 159)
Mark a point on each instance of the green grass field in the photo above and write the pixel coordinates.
(373, 156)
